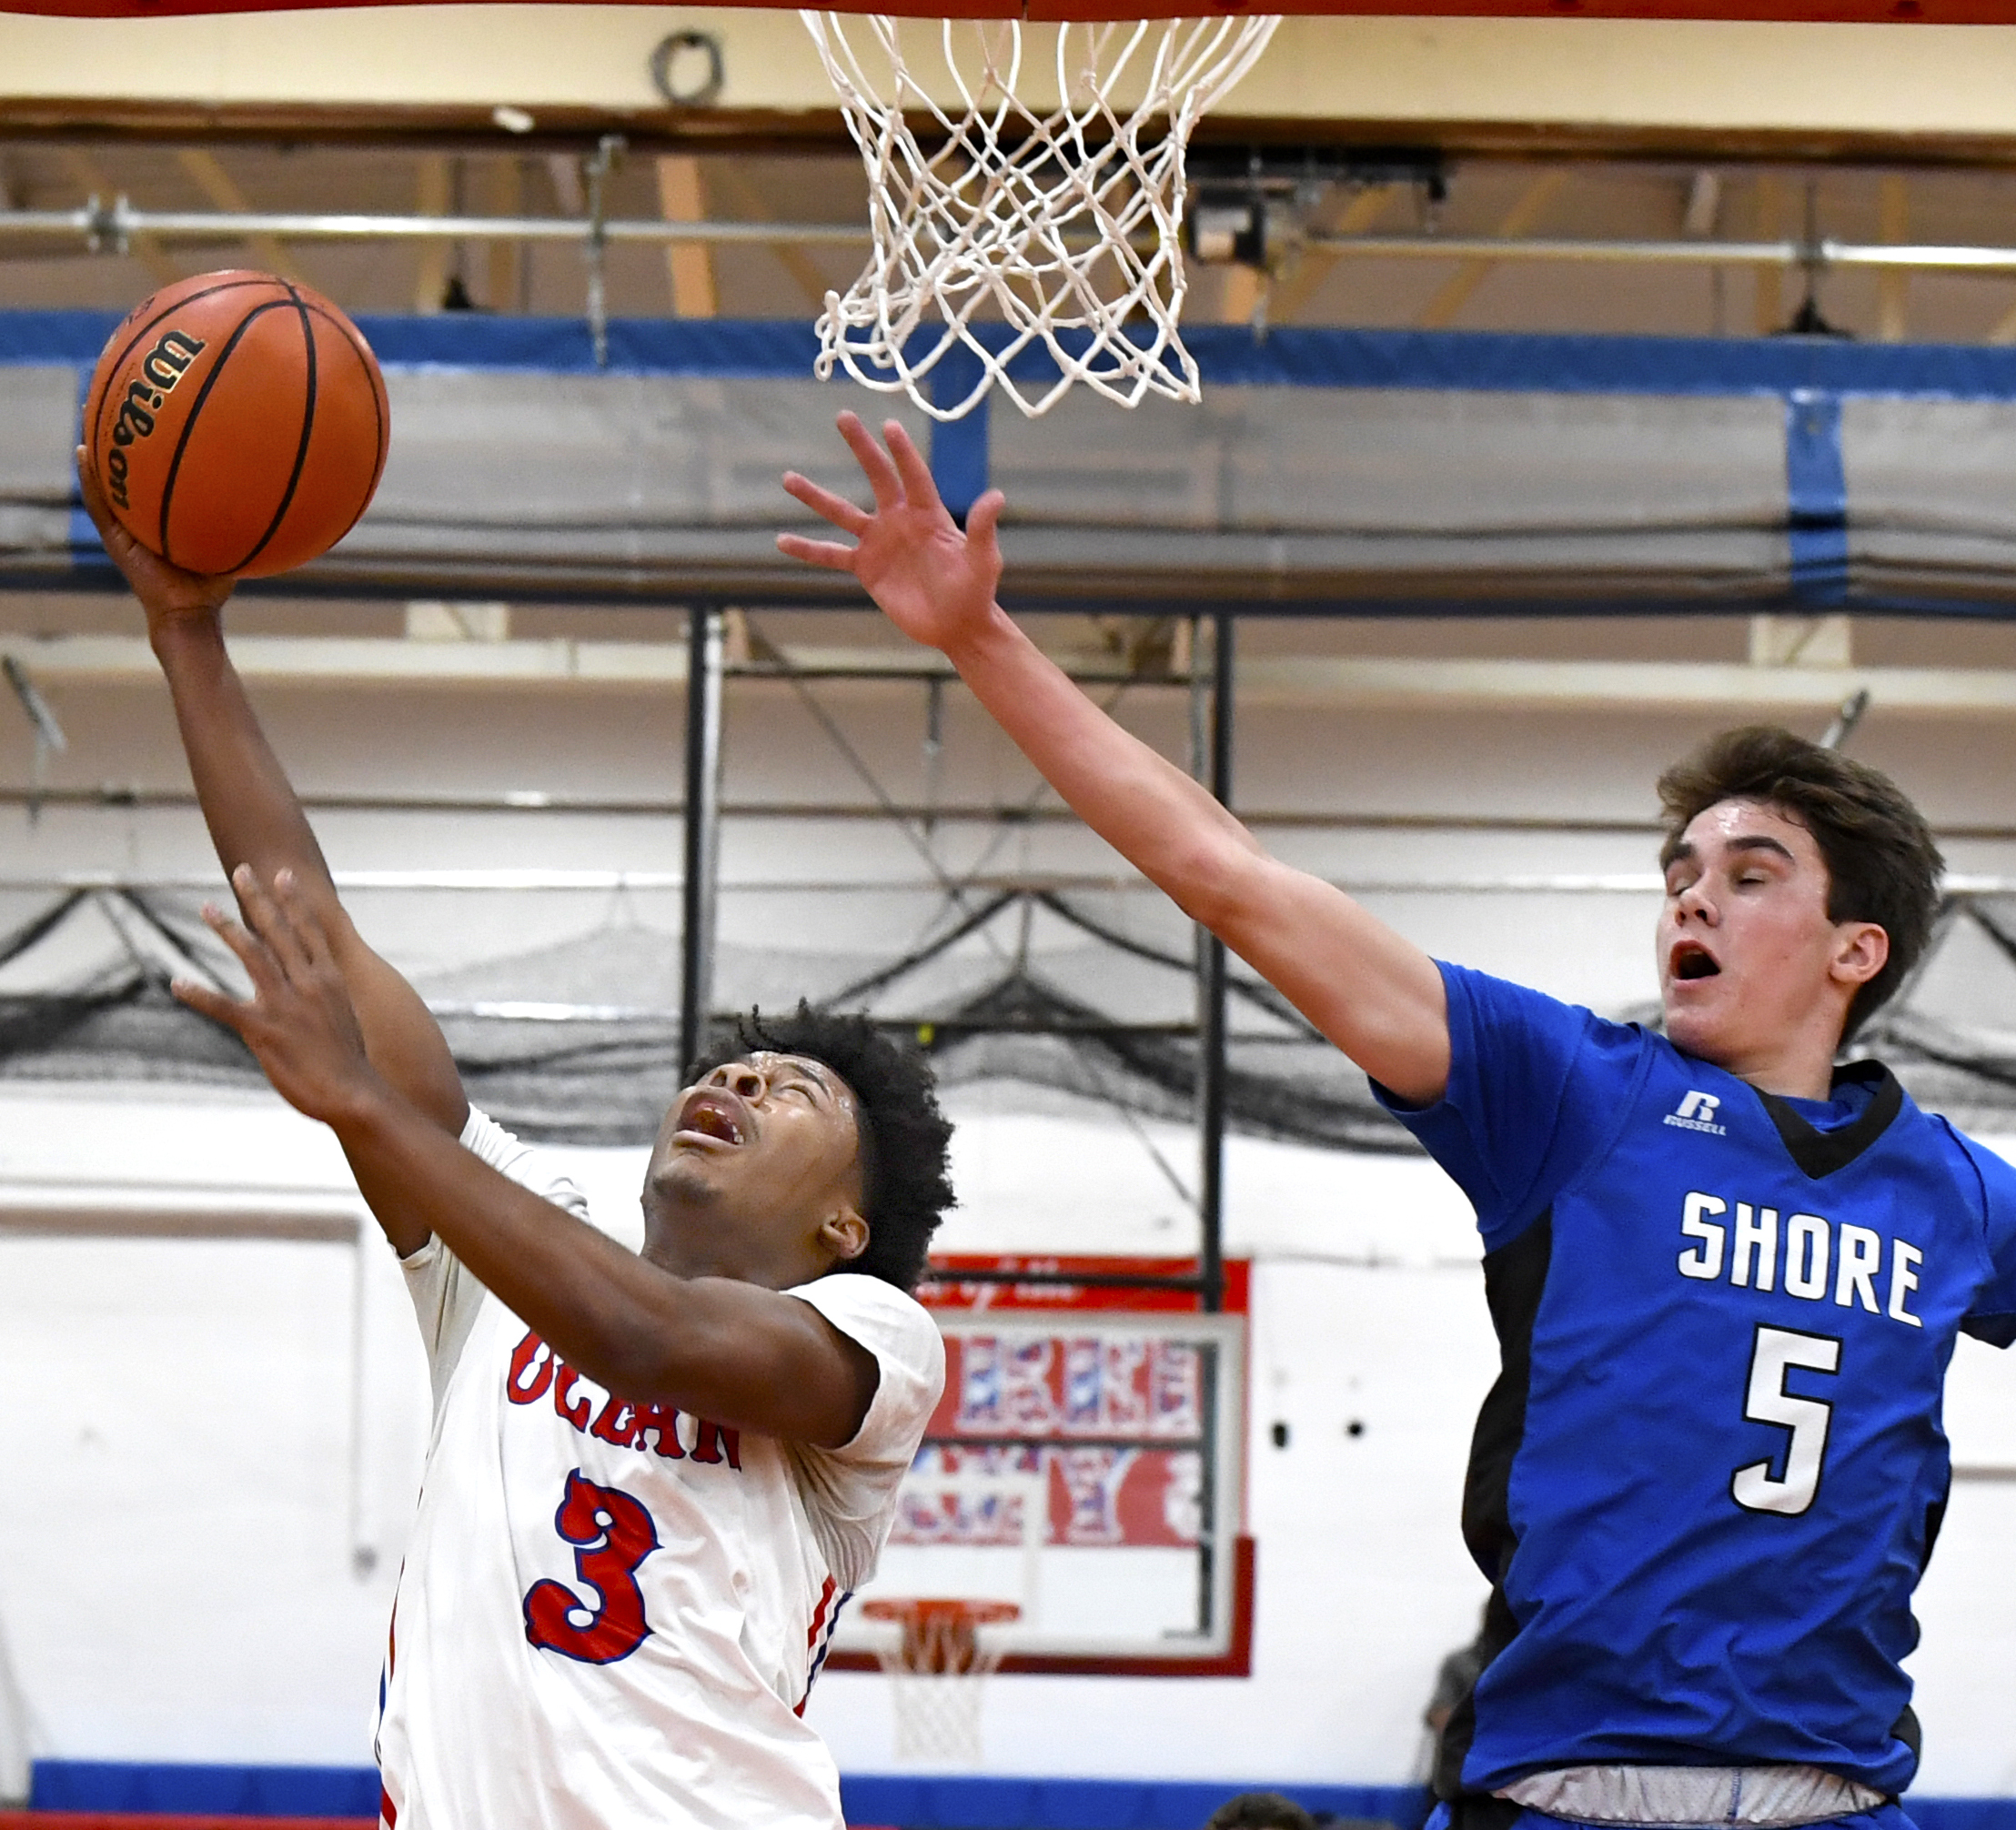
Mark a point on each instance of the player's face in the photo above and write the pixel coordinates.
(756, 1173)
(1749, 961)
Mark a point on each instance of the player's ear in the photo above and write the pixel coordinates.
(844, 1233)
(1862, 951)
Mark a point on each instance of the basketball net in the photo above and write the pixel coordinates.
(938, 1671)
(1065, 223)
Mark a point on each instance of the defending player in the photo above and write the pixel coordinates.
(1726, 1277)
(653, 1479)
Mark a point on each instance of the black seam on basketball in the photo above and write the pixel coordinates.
(140, 336)
(375, 378)
(301, 450)
(189, 424)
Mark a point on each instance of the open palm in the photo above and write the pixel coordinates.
(935, 583)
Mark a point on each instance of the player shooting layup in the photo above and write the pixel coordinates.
(1726, 1278)
(653, 1479)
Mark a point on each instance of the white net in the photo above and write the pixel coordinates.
(938, 1716)
(938, 1671)
(1056, 215)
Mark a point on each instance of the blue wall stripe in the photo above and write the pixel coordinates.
(909, 1801)
(926, 1802)
(225, 1791)
(1228, 354)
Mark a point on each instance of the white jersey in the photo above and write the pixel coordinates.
(610, 1616)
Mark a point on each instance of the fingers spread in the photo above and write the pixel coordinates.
(874, 462)
(214, 1005)
(252, 953)
(828, 553)
(299, 908)
(911, 466)
(273, 924)
(984, 517)
(837, 509)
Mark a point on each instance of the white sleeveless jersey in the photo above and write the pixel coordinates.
(611, 1615)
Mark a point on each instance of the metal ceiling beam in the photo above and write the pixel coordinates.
(1660, 86)
(518, 882)
(1313, 681)
(110, 224)
(115, 224)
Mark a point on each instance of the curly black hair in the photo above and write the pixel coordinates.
(905, 1175)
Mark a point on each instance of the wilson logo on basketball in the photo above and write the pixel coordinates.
(165, 365)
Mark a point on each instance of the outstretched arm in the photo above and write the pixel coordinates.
(254, 818)
(738, 1353)
(1375, 995)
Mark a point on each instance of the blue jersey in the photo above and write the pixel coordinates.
(1711, 1470)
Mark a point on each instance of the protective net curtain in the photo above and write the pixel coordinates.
(1054, 227)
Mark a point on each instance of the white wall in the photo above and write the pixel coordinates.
(179, 1516)
(185, 1499)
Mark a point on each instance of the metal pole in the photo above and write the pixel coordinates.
(1200, 770)
(704, 785)
(111, 227)
(1210, 1039)
(1210, 761)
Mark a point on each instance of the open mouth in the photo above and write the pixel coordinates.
(711, 1116)
(1694, 962)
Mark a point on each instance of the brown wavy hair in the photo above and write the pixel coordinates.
(1882, 863)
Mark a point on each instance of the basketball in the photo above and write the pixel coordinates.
(238, 424)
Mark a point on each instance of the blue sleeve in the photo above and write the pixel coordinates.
(1536, 1087)
(1991, 1317)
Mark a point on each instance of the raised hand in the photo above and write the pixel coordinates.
(167, 593)
(298, 1021)
(935, 583)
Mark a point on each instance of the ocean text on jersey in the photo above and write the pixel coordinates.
(537, 1370)
(1808, 1257)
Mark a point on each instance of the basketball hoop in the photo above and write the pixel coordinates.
(1062, 219)
(937, 1670)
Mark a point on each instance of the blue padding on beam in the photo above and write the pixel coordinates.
(1228, 355)
(172, 1788)
(1816, 490)
(959, 446)
(55, 335)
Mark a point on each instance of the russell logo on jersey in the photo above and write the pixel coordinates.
(1697, 1113)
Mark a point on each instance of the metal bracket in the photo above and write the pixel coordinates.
(596, 168)
(48, 734)
(105, 225)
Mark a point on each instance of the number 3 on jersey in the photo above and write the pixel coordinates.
(1775, 1353)
(611, 1535)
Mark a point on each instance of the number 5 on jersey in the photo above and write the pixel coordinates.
(611, 1535)
(1775, 1353)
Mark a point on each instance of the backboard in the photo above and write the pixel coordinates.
(1087, 1464)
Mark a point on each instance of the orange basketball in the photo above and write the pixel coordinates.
(238, 424)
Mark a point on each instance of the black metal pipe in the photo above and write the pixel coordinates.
(1211, 1015)
(703, 796)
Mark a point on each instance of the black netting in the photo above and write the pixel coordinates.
(575, 1042)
